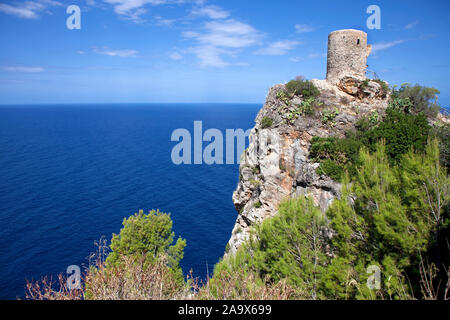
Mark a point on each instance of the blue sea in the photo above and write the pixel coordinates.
(70, 174)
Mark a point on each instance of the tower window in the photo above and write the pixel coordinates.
(357, 42)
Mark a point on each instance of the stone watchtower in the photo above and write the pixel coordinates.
(347, 55)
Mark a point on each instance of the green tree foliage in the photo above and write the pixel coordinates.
(295, 251)
(331, 169)
(400, 132)
(388, 216)
(385, 218)
(422, 99)
(404, 126)
(302, 87)
(288, 250)
(149, 236)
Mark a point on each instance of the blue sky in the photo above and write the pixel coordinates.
(205, 50)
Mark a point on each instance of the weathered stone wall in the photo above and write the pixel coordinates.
(347, 55)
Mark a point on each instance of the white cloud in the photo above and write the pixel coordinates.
(212, 12)
(303, 28)
(116, 53)
(411, 25)
(132, 9)
(278, 48)
(135, 9)
(29, 9)
(385, 45)
(227, 34)
(160, 21)
(23, 69)
(210, 56)
(217, 39)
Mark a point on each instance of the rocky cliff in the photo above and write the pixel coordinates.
(277, 164)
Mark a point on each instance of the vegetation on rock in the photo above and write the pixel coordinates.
(303, 88)
(382, 219)
(266, 122)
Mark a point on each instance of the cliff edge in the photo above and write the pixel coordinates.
(277, 164)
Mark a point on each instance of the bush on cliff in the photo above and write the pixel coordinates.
(422, 99)
(400, 132)
(302, 87)
(150, 236)
(143, 265)
(389, 217)
(266, 122)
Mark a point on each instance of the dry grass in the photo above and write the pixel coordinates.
(235, 286)
(133, 280)
(130, 279)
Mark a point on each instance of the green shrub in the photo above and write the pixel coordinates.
(383, 218)
(304, 88)
(150, 236)
(324, 148)
(258, 204)
(331, 169)
(266, 122)
(401, 132)
(343, 152)
(286, 250)
(423, 99)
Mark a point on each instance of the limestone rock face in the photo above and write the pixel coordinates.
(277, 166)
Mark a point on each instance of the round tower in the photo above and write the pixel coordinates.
(347, 55)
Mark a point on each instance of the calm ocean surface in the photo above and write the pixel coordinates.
(69, 174)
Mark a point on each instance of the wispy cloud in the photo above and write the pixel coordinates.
(219, 38)
(385, 45)
(411, 25)
(116, 53)
(278, 48)
(213, 12)
(160, 21)
(210, 56)
(303, 28)
(134, 10)
(29, 9)
(23, 69)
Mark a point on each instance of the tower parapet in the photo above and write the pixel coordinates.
(347, 55)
